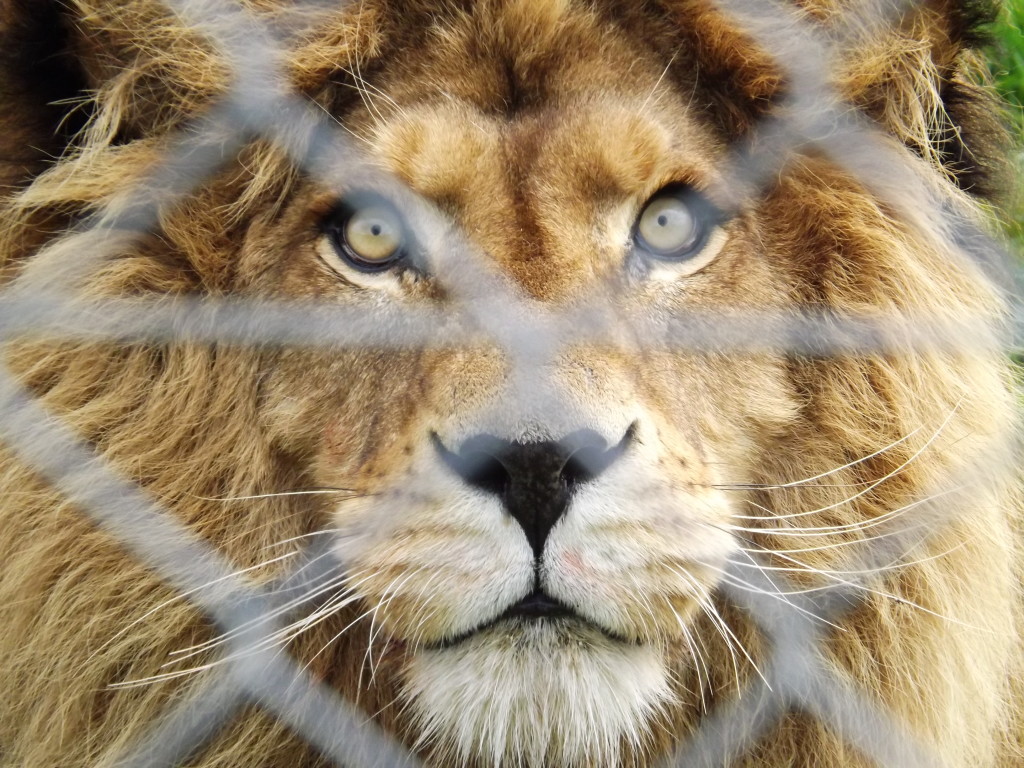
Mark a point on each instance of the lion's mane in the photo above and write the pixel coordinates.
(90, 94)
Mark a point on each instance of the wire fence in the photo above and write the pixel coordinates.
(261, 104)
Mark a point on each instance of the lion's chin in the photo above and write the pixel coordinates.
(530, 692)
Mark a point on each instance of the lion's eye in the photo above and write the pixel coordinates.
(674, 224)
(369, 237)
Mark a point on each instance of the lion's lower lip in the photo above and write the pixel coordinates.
(536, 606)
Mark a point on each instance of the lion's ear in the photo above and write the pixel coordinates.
(42, 86)
(921, 77)
(120, 69)
(914, 67)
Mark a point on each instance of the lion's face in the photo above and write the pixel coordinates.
(534, 523)
(540, 500)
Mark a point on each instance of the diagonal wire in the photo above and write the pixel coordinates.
(191, 566)
(257, 105)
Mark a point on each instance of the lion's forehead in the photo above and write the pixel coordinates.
(545, 167)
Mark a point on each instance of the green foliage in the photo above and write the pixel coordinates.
(1006, 61)
(1008, 56)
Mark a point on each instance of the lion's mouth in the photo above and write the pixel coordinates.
(537, 606)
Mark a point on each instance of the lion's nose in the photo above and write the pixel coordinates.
(534, 480)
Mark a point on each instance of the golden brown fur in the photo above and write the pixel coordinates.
(529, 123)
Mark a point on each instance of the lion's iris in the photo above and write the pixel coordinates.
(374, 234)
(368, 235)
(674, 224)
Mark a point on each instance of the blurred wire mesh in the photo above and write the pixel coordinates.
(261, 104)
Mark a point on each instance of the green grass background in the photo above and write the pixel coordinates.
(1007, 56)
(1006, 61)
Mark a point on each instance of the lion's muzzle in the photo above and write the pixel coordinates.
(533, 480)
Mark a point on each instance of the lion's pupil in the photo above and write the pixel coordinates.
(662, 220)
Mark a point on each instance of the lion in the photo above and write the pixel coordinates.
(552, 542)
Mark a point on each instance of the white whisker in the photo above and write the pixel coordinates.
(183, 595)
(913, 457)
(805, 568)
(855, 462)
(861, 525)
(313, 492)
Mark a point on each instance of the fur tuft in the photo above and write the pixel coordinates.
(541, 130)
(555, 698)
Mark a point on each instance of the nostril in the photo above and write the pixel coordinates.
(534, 481)
(584, 465)
(591, 458)
(494, 465)
(486, 473)
(478, 467)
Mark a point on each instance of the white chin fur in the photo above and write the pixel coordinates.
(536, 694)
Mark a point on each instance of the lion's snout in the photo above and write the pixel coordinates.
(534, 481)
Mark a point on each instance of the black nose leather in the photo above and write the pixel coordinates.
(533, 480)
